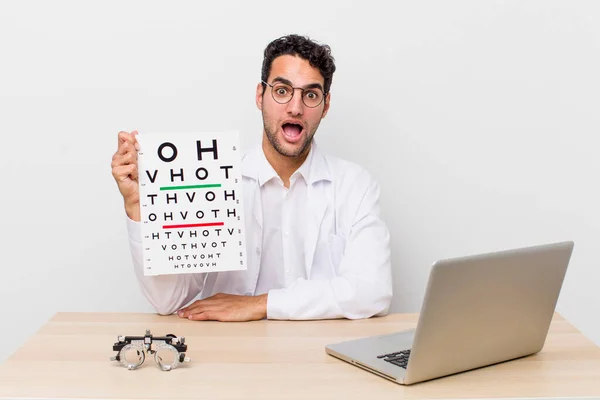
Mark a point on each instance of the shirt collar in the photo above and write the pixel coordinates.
(314, 168)
(265, 170)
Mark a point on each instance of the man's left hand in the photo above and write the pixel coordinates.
(226, 307)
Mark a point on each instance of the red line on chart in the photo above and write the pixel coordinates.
(193, 225)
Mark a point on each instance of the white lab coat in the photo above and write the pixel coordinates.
(347, 250)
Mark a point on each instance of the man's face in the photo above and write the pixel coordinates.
(290, 127)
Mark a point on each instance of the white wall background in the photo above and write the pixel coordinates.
(479, 118)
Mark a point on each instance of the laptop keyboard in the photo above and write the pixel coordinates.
(399, 358)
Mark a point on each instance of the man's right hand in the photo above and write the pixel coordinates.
(125, 171)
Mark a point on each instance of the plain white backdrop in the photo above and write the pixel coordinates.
(480, 120)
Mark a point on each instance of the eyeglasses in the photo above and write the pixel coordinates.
(282, 93)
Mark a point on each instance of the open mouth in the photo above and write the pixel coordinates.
(292, 131)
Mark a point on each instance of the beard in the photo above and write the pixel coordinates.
(271, 131)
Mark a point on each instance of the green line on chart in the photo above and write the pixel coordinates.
(216, 185)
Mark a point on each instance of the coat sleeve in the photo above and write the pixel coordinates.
(166, 293)
(363, 286)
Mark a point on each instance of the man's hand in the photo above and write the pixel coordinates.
(226, 307)
(125, 172)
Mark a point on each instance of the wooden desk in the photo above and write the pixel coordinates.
(69, 357)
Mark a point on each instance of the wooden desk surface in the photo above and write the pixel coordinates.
(69, 357)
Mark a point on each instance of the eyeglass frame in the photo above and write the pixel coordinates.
(272, 86)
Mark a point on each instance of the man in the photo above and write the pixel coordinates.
(316, 245)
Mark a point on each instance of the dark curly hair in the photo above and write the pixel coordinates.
(318, 55)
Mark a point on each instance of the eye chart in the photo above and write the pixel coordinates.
(191, 202)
